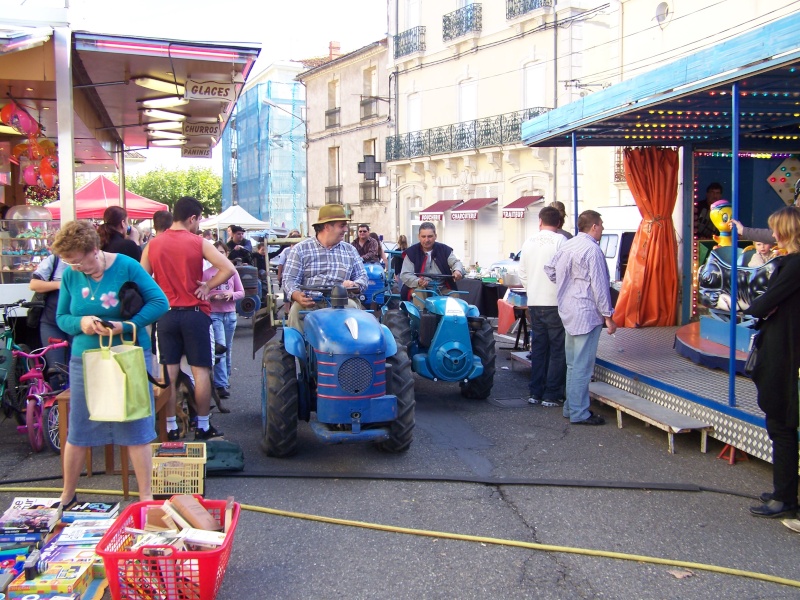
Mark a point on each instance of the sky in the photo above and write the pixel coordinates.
(287, 30)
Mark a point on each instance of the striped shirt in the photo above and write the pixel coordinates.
(312, 264)
(580, 273)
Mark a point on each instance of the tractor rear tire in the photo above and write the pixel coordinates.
(398, 323)
(279, 396)
(401, 429)
(484, 348)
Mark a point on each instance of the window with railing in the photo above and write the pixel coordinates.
(462, 21)
(332, 118)
(369, 108)
(409, 41)
(517, 8)
(333, 194)
(368, 192)
(619, 165)
(498, 130)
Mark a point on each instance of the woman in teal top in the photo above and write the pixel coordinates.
(90, 294)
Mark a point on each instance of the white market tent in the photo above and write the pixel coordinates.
(234, 215)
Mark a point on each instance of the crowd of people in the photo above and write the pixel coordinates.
(189, 288)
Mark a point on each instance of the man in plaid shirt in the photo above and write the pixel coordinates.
(323, 260)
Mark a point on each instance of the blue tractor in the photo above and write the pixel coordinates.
(346, 368)
(447, 340)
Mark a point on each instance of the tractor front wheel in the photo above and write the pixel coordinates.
(483, 347)
(279, 400)
(398, 323)
(401, 429)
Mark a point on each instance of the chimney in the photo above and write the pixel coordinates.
(334, 50)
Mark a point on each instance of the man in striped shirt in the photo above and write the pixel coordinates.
(580, 273)
(323, 260)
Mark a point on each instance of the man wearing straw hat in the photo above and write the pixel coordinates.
(322, 260)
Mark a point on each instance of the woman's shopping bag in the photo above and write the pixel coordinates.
(115, 380)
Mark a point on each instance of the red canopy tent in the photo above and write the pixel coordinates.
(92, 199)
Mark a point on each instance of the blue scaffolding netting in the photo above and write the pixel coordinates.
(264, 159)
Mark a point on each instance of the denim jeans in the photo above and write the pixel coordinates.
(581, 351)
(224, 325)
(548, 360)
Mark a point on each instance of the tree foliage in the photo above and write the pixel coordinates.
(167, 186)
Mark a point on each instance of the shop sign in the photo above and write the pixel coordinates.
(467, 215)
(195, 152)
(209, 90)
(430, 216)
(514, 213)
(195, 128)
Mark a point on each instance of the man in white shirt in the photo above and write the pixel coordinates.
(548, 359)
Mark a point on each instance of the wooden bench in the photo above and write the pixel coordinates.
(651, 413)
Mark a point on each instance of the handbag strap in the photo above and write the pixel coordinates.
(53, 270)
(132, 341)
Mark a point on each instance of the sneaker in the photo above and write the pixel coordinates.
(593, 419)
(558, 402)
(534, 400)
(210, 434)
(173, 435)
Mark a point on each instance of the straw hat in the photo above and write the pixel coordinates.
(331, 212)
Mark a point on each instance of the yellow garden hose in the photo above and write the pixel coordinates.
(470, 538)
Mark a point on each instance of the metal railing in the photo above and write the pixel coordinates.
(332, 118)
(409, 41)
(369, 108)
(461, 21)
(333, 194)
(516, 8)
(619, 165)
(498, 130)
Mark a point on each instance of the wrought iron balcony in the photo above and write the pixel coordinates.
(409, 41)
(517, 8)
(369, 108)
(368, 192)
(333, 194)
(498, 130)
(332, 118)
(461, 21)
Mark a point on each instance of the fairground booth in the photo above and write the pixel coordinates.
(728, 114)
(76, 101)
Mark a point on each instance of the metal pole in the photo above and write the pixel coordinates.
(575, 180)
(734, 242)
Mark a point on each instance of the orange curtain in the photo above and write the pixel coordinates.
(648, 297)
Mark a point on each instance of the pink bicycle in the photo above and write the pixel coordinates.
(41, 399)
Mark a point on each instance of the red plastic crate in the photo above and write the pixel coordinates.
(163, 572)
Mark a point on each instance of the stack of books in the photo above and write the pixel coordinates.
(91, 510)
(27, 518)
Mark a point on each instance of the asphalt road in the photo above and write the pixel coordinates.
(500, 439)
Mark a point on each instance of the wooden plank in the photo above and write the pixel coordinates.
(675, 420)
(652, 414)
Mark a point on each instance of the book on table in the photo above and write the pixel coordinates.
(57, 579)
(91, 510)
(30, 515)
(80, 536)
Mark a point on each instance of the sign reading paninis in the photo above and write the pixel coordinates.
(467, 215)
(195, 152)
(209, 90)
(194, 128)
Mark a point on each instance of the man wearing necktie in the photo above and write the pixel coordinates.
(427, 256)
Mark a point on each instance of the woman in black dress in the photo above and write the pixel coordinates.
(777, 365)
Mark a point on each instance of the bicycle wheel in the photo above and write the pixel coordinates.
(33, 420)
(14, 396)
(51, 428)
